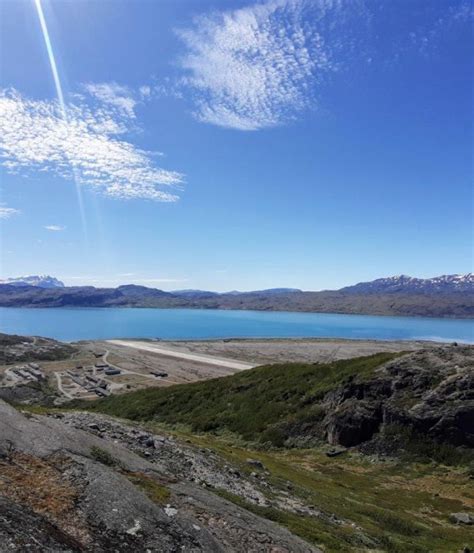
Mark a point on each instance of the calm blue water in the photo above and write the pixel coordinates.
(79, 324)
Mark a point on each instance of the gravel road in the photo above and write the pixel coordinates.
(169, 352)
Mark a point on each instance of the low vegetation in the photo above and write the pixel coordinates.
(260, 405)
(102, 456)
(365, 499)
(417, 447)
(393, 506)
(156, 492)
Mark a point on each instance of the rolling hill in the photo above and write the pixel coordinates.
(345, 403)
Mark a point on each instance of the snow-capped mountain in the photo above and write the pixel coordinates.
(41, 281)
(407, 284)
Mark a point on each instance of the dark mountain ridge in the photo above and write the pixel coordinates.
(445, 296)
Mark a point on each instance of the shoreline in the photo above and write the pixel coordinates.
(274, 339)
(226, 309)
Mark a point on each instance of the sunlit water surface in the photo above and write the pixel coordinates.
(101, 323)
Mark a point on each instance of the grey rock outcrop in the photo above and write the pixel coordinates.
(462, 518)
(65, 489)
(430, 391)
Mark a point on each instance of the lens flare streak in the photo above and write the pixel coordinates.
(60, 95)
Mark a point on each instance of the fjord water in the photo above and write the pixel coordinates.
(83, 323)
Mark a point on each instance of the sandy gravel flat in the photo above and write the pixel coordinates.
(189, 361)
(262, 351)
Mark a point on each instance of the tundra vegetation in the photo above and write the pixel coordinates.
(398, 482)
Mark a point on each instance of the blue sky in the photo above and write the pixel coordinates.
(236, 145)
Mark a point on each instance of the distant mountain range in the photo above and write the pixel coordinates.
(407, 284)
(443, 296)
(43, 281)
(207, 293)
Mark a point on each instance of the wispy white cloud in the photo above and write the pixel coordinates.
(86, 145)
(54, 228)
(117, 96)
(7, 212)
(265, 64)
(444, 22)
(256, 67)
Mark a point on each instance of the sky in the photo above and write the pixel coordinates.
(235, 145)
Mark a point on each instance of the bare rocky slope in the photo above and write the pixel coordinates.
(107, 487)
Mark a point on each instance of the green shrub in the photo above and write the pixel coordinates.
(265, 404)
(155, 491)
(424, 449)
(102, 456)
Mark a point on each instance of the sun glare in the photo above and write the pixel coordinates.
(60, 95)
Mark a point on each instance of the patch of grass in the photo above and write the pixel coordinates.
(260, 405)
(156, 492)
(393, 522)
(397, 507)
(36, 409)
(309, 528)
(103, 456)
(38, 483)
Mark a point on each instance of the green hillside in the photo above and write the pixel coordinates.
(398, 491)
(262, 404)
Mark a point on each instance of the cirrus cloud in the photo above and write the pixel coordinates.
(255, 67)
(84, 144)
(263, 65)
(115, 95)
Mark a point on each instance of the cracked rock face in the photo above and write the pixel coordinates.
(65, 489)
(431, 391)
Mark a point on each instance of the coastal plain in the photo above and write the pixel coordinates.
(91, 369)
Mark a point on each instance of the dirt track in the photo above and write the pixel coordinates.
(170, 352)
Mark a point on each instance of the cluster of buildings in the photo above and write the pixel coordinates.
(30, 372)
(89, 382)
(79, 381)
(108, 370)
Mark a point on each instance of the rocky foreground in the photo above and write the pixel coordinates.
(85, 483)
(370, 454)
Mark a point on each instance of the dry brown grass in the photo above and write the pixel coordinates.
(451, 486)
(40, 485)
